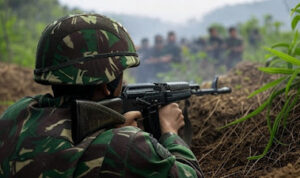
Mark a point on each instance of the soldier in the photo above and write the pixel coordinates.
(82, 57)
(254, 37)
(159, 59)
(214, 46)
(144, 54)
(198, 45)
(234, 45)
(172, 48)
(144, 50)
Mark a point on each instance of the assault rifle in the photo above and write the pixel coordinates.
(148, 98)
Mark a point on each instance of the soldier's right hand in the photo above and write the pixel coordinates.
(171, 118)
(131, 119)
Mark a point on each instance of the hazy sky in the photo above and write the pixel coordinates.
(168, 10)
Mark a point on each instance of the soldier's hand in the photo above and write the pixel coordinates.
(131, 118)
(170, 118)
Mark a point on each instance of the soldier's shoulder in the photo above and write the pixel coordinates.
(17, 107)
(129, 130)
(124, 134)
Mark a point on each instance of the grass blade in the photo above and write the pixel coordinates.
(297, 52)
(280, 45)
(270, 100)
(288, 85)
(273, 132)
(295, 9)
(295, 21)
(252, 114)
(293, 44)
(294, 102)
(294, 50)
(259, 109)
(284, 56)
(273, 70)
(267, 86)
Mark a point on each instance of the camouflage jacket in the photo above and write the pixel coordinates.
(36, 141)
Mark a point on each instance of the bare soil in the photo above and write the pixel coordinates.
(221, 153)
(17, 82)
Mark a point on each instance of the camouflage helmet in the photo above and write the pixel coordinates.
(83, 49)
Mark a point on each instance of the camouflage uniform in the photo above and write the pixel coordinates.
(216, 52)
(174, 49)
(233, 56)
(36, 135)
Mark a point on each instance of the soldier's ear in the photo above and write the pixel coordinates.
(100, 92)
(105, 90)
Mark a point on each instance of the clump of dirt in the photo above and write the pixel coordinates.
(290, 171)
(223, 153)
(17, 82)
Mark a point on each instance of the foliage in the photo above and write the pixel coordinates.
(220, 28)
(191, 70)
(269, 33)
(284, 60)
(199, 67)
(22, 23)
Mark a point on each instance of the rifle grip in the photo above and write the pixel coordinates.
(151, 124)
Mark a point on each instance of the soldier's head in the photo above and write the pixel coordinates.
(84, 56)
(171, 37)
(213, 32)
(158, 42)
(145, 43)
(183, 41)
(232, 32)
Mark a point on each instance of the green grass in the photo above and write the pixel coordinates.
(6, 103)
(287, 66)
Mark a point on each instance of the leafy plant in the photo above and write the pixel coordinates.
(285, 62)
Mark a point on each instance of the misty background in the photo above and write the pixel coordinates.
(140, 26)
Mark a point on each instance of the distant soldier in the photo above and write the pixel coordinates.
(254, 37)
(172, 48)
(214, 46)
(234, 45)
(184, 42)
(159, 60)
(198, 45)
(144, 54)
(144, 50)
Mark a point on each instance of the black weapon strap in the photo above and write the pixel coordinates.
(187, 129)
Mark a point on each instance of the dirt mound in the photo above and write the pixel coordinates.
(15, 83)
(223, 153)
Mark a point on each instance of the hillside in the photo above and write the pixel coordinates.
(140, 27)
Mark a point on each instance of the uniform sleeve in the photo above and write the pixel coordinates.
(184, 156)
(137, 154)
